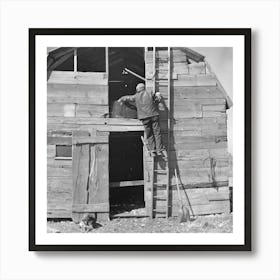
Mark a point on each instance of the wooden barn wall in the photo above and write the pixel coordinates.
(74, 100)
(198, 138)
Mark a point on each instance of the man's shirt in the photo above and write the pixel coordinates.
(145, 104)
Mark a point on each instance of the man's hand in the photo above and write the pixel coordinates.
(158, 96)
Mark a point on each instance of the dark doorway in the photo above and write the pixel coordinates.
(126, 171)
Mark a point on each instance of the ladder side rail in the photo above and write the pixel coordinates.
(152, 188)
(168, 131)
(153, 159)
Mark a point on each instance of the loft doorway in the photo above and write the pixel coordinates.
(121, 82)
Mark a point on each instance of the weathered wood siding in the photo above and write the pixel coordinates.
(198, 137)
(73, 99)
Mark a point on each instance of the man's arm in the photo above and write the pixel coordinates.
(127, 98)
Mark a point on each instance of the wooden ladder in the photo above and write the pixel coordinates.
(155, 170)
(158, 186)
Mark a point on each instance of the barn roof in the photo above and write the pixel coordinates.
(57, 55)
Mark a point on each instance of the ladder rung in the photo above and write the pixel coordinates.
(160, 184)
(159, 197)
(159, 211)
(161, 171)
(160, 215)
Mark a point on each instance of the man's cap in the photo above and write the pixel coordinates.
(140, 87)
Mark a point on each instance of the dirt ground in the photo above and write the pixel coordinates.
(127, 222)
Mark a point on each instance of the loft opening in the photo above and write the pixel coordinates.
(82, 59)
(123, 61)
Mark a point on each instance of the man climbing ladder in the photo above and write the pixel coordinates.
(147, 112)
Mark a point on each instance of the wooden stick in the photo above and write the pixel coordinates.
(154, 65)
(75, 61)
(134, 74)
(107, 60)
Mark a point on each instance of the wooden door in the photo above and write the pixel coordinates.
(90, 176)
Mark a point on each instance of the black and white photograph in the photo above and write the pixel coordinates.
(140, 138)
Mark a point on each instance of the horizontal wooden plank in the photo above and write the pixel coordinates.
(78, 78)
(188, 81)
(188, 92)
(189, 140)
(182, 112)
(59, 170)
(89, 139)
(195, 146)
(161, 75)
(162, 56)
(119, 128)
(77, 110)
(66, 162)
(219, 131)
(212, 114)
(195, 133)
(91, 111)
(186, 154)
(190, 164)
(192, 176)
(214, 207)
(60, 184)
(59, 214)
(179, 102)
(195, 194)
(88, 208)
(59, 141)
(193, 185)
(102, 124)
(126, 184)
(190, 129)
(59, 133)
(205, 130)
(214, 108)
(78, 94)
(95, 121)
(178, 67)
(195, 123)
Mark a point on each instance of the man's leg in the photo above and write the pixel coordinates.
(149, 134)
(157, 134)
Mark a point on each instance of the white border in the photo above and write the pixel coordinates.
(237, 237)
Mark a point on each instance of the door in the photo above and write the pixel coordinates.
(90, 176)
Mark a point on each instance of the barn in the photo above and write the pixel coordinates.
(95, 150)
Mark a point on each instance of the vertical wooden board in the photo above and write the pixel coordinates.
(80, 176)
(99, 174)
